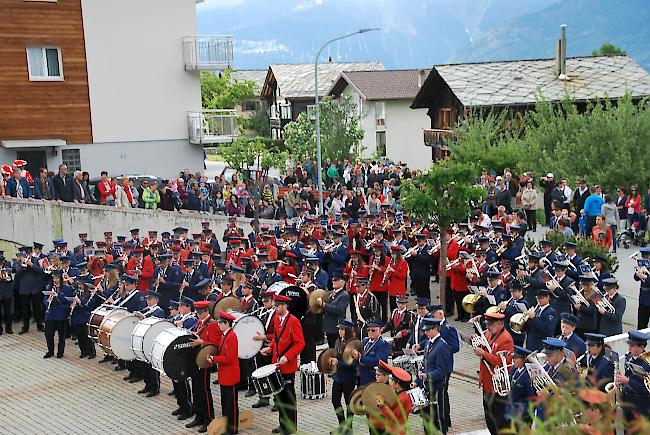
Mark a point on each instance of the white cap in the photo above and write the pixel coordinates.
(550, 175)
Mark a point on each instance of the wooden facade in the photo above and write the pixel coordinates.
(43, 109)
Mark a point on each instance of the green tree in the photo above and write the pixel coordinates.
(608, 49)
(443, 194)
(339, 127)
(225, 92)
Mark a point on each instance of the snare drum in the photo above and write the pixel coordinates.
(115, 332)
(96, 318)
(402, 361)
(172, 353)
(267, 381)
(313, 384)
(144, 334)
(246, 327)
(410, 363)
(418, 397)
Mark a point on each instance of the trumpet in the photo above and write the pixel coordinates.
(577, 297)
(411, 251)
(453, 263)
(602, 302)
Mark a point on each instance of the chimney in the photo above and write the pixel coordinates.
(422, 76)
(562, 53)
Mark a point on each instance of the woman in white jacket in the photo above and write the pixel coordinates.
(529, 202)
(122, 199)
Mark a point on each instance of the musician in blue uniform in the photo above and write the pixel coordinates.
(600, 369)
(574, 258)
(437, 366)
(511, 252)
(133, 299)
(80, 316)
(186, 319)
(337, 255)
(541, 321)
(189, 285)
(150, 375)
(272, 276)
(375, 348)
(345, 377)
(448, 333)
(637, 369)
(6, 295)
(643, 314)
(600, 270)
(56, 313)
(574, 343)
(521, 389)
(495, 289)
(320, 277)
(417, 335)
(167, 279)
(509, 308)
(420, 267)
(611, 323)
(548, 256)
(559, 369)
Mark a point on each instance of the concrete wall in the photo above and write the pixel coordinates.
(25, 222)
(404, 134)
(139, 89)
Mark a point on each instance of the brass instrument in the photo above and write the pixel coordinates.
(479, 339)
(518, 321)
(494, 309)
(577, 297)
(411, 251)
(612, 388)
(470, 301)
(543, 381)
(501, 375)
(453, 263)
(602, 302)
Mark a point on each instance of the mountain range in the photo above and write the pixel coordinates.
(421, 33)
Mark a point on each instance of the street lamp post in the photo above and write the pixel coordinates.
(317, 102)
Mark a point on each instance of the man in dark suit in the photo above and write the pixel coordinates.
(31, 282)
(335, 309)
(63, 184)
(80, 193)
(17, 186)
(541, 323)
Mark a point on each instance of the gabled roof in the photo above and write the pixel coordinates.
(256, 75)
(381, 85)
(297, 80)
(519, 82)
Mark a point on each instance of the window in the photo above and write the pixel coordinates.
(311, 112)
(250, 105)
(446, 121)
(44, 63)
(380, 112)
(72, 158)
(381, 143)
(285, 111)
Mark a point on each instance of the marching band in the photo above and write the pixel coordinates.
(255, 314)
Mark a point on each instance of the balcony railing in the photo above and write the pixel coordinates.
(212, 126)
(437, 137)
(207, 52)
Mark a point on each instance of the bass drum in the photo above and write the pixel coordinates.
(96, 318)
(144, 334)
(299, 300)
(118, 327)
(246, 327)
(172, 353)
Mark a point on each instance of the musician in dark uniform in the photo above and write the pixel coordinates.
(438, 361)
(509, 308)
(521, 389)
(533, 278)
(493, 289)
(559, 369)
(612, 323)
(309, 321)
(375, 348)
(600, 370)
(344, 379)
(643, 313)
(30, 282)
(541, 321)
(366, 306)
(189, 286)
(56, 313)
(574, 343)
(150, 375)
(186, 320)
(335, 309)
(399, 325)
(561, 296)
(80, 316)
(267, 316)
(168, 278)
(417, 334)
(6, 295)
(420, 267)
(286, 343)
(272, 276)
(587, 314)
(637, 368)
(574, 258)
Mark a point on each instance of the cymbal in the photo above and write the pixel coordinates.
(347, 351)
(201, 357)
(356, 404)
(376, 393)
(228, 303)
(314, 308)
(323, 361)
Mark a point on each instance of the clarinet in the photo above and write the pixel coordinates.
(56, 295)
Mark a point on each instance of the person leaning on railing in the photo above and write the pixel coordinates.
(151, 197)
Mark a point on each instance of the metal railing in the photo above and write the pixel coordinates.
(212, 126)
(207, 52)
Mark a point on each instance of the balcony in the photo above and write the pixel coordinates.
(212, 126)
(207, 53)
(437, 137)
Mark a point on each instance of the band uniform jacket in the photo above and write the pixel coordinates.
(30, 280)
(511, 309)
(421, 263)
(521, 394)
(399, 323)
(352, 272)
(337, 259)
(345, 374)
(535, 282)
(208, 331)
(376, 276)
(153, 311)
(249, 304)
(437, 365)
(541, 327)
(417, 335)
(635, 391)
(450, 335)
(587, 317)
(459, 282)
(501, 341)
(644, 291)
(600, 370)
(146, 272)
(335, 310)
(321, 278)
(192, 277)
(561, 296)
(227, 359)
(370, 356)
(397, 278)
(601, 275)
(287, 340)
(173, 276)
(571, 273)
(499, 294)
(575, 344)
(612, 323)
(563, 375)
(59, 308)
(132, 302)
(368, 305)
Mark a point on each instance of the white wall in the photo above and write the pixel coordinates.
(139, 90)
(404, 134)
(367, 121)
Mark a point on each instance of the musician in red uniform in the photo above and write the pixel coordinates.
(287, 268)
(452, 254)
(208, 333)
(395, 419)
(396, 274)
(500, 340)
(460, 282)
(378, 264)
(287, 341)
(142, 266)
(226, 359)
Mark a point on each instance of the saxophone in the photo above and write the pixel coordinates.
(612, 388)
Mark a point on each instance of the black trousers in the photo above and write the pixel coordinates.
(32, 305)
(86, 345)
(5, 313)
(182, 393)
(433, 415)
(382, 298)
(151, 378)
(202, 397)
(50, 327)
(449, 297)
(643, 316)
(392, 303)
(531, 219)
(494, 407)
(458, 298)
(421, 286)
(342, 390)
(287, 406)
(230, 407)
(308, 353)
(331, 341)
(447, 413)
(353, 308)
